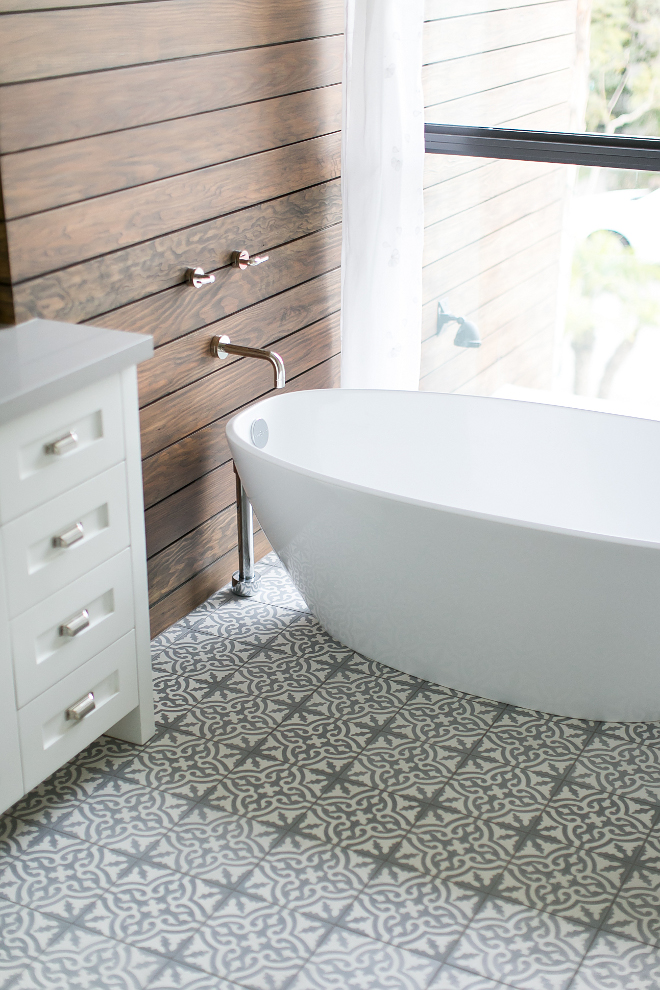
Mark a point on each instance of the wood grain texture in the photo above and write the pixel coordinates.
(69, 234)
(201, 586)
(170, 469)
(64, 109)
(504, 106)
(189, 507)
(187, 359)
(32, 180)
(174, 417)
(78, 293)
(63, 42)
(183, 309)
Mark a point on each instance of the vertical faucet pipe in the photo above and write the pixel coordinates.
(244, 582)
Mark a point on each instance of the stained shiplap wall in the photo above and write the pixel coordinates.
(493, 228)
(138, 140)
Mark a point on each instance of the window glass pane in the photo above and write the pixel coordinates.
(557, 65)
(556, 267)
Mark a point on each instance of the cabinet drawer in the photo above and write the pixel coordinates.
(58, 635)
(48, 738)
(51, 450)
(91, 524)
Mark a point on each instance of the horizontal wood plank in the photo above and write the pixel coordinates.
(70, 107)
(183, 309)
(188, 410)
(69, 234)
(185, 360)
(171, 567)
(32, 180)
(63, 42)
(200, 587)
(460, 36)
(442, 9)
(503, 106)
(78, 293)
(189, 507)
(195, 455)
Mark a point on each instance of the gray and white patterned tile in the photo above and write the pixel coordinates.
(445, 717)
(182, 764)
(311, 877)
(81, 960)
(320, 742)
(105, 754)
(522, 947)
(55, 797)
(268, 791)
(372, 700)
(457, 847)
(609, 823)
(24, 934)
(276, 588)
(640, 733)
(414, 912)
(124, 816)
(208, 662)
(243, 621)
(360, 818)
(450, 978)
(357, 664)
(404, 766)
(636, 910)
(173, 976)
(614, 963)
(613, 764)
(500, 793)
(16, 834)
(60, 875)
(175, 694)
(288, 680)
(153, 908)
(347, 961)
(533, 742)
(305, 637)
(573, 882)
(650, 855)
(234, 718)
(214, 845)
(259, 945)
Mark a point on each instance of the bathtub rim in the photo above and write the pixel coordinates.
(262, 454)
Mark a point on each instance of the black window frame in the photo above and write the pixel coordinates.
(564, 147)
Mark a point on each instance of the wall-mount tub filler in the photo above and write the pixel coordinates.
(244, 582)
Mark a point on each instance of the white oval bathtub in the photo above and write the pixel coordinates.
(505, 548)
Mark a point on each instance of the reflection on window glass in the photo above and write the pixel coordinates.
(544, 64)
(558, 269)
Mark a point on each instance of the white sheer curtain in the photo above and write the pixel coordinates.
(382, 178)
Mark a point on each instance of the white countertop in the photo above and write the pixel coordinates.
(43, 360)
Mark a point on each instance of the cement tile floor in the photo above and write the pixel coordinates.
(305, 819)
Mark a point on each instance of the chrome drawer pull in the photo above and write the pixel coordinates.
(75, 625)
(81, 708)
(70, 536)
(63, 445)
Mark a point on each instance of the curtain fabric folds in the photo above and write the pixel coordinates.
(382, 190)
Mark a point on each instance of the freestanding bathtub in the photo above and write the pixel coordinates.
(505, 548)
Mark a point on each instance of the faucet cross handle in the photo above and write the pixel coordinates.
(242, 259)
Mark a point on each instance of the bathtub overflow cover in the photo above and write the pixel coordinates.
(259, 433)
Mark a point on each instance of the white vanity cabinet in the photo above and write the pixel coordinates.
(74, 621)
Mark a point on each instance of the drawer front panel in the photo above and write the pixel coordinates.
(48, 738)
(57, 447)
(58, 635)
(90, 523)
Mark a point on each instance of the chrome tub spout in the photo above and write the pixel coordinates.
(221, 347)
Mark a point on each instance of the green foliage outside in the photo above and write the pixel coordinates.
(624, 76)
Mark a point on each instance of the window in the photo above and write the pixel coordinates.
(543, 200)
